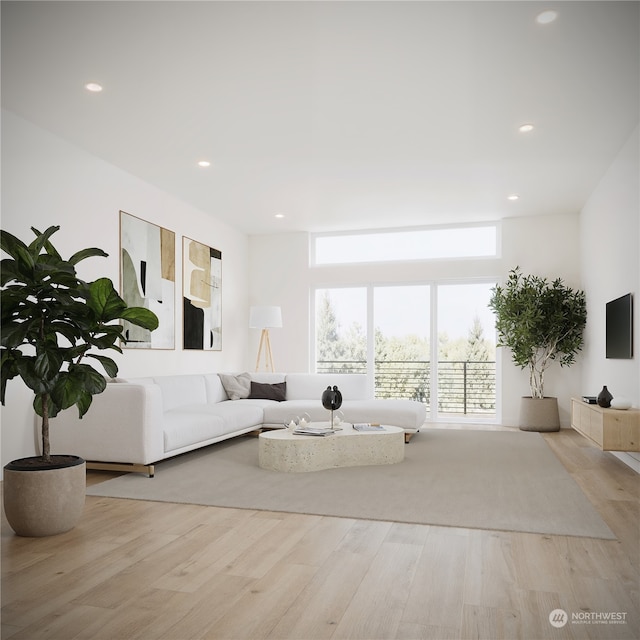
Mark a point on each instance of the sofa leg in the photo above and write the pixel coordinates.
(407, 437)
(117, 466)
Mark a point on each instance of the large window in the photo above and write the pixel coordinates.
(341, 330)
(466, 356)
(432, 342)
(401, 245)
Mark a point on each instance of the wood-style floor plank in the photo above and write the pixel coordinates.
(156, 571)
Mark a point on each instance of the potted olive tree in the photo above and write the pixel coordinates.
(540, 322)
(53, 324)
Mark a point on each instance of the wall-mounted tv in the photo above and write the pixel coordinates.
(619, 327)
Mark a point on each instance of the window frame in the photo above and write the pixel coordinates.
(314, 237)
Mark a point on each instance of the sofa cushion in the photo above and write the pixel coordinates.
(398, 413)
(189, 425)
(267, 377)
(277, 391)
(215, 390)
(309, 386)
(237, 415)
(236, 386)
(181, 390)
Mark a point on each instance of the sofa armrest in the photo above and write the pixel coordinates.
(123, 424)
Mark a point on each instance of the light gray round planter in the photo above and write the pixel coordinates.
(539, 414)
(44, 502)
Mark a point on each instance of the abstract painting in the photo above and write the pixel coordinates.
(148, 279)
(202, 296)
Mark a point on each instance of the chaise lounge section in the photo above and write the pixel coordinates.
(138, 422)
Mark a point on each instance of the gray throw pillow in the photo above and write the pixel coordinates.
(237, 387)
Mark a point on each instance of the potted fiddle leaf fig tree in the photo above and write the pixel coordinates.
(540, 322)
(53, 327)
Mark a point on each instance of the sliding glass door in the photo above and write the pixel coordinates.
(401, 320)
(466, 352)
(429, 342)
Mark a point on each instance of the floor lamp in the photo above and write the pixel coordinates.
(265, 318)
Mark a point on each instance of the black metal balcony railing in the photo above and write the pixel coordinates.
(464, 387)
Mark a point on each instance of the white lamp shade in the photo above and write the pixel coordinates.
(265, 318)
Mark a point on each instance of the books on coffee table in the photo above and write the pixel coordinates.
(310, 430)
(367, 426)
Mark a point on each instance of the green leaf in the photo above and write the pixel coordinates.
(17, 249)
(53, 411)
(14, 333)
(87, 253)
(41, 240)
(141, 317)
(47, 364)
(27, 371)
(110, 367)
(105, 301)
(8, 369)
(73, 385)
(92, 381)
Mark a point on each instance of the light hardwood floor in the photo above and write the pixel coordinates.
(157, 571)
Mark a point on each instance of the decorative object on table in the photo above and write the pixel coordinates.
(265, 318)
(311, 430)
(148, 279)
(621, 403)
(305, 419)
(332, 401)
(292, 424)
(43, 301)
(202, 296)
(338, 418)
(368, 426)
(605, 398)
(540, 322)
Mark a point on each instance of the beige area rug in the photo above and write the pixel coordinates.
(509, 481)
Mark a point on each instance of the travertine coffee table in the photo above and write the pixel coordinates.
(282, 450)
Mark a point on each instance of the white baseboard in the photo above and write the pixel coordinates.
(629, 459)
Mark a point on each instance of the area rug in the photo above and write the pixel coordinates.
(508, 481)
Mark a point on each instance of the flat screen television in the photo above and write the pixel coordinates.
(619, 327)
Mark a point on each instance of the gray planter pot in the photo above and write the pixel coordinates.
(539, 414)
(44, 502)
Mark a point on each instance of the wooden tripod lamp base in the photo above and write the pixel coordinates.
(265, 318)
(265, 345)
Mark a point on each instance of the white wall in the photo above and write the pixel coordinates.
(46, 181)
(280, 275)
(610, 267)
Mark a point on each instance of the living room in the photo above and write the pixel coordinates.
(50, 175)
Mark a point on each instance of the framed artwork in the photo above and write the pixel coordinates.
(148, 279)
(202, 296)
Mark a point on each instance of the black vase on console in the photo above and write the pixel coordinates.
(604, 398)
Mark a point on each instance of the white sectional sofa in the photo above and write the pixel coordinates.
(138, 422)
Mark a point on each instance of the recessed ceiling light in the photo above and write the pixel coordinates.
(204, 163)
(94, 87)
(525, 128)
(546, 17)
(513, 196)
(279, 215)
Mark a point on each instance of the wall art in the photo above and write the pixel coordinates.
(148, 279)
(202, 296)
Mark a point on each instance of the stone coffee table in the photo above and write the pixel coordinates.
(282, 450)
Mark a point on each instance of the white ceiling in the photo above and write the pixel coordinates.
(340, 115)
